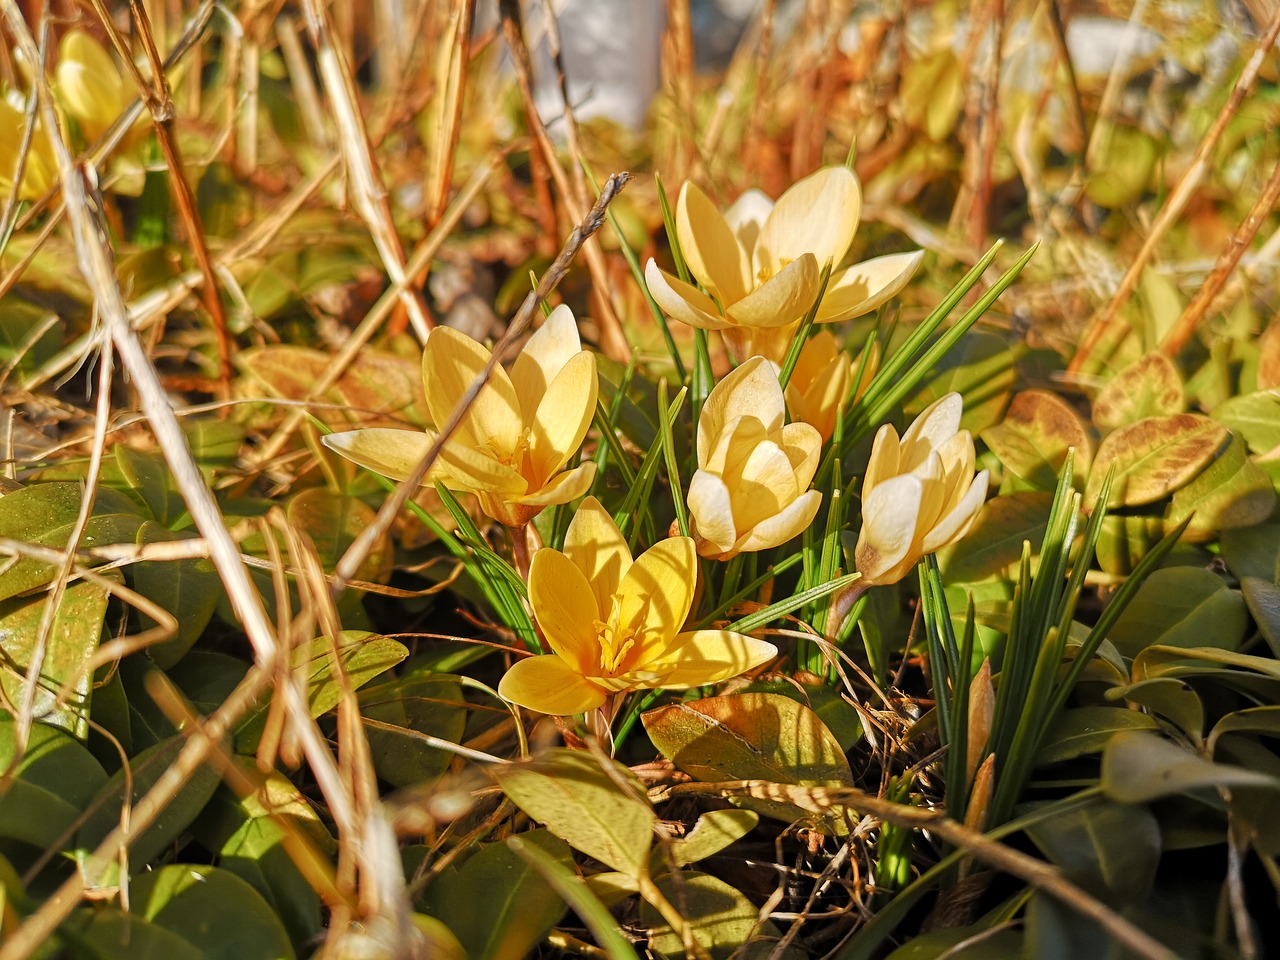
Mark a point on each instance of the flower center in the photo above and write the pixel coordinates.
(765, 274)
(615, 642)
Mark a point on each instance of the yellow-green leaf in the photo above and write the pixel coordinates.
(1154, 457)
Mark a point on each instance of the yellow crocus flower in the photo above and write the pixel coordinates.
(90, 87)
(821, 379)
(919, 493)
(523, 428)
(761, 263)
(614, 623)
(41, 170)
(751, 489)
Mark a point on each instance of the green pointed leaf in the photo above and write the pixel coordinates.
(1086, 730)
(496, 904)
(1149, 387)
(45, 514)
(1033, 439)
(1138, 767)
(1154, 457)
(584, 805)
(69, 647)
(213, 910)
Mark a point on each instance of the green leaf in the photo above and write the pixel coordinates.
(584, 805)
(750, 736)
(362, 656)
(211, 909)
(45, 514)
(169, 825)
(1256, 416)
(105, 931)
(980, 368)
(430, 704)
(1149, 387)
(1167, 697)
(1033, 439)
(146, 475)
(1154, 457)
(333, 521)
(1231, 492)
(722, 918)
(1110, 849)
(1125, 540)
(1181, 607)
(840, 716)
(715, 830)
(188, 589)
(1253, 551)
(69, 647)
(961, 943)
(45, 792)
(996, 537)
(1263, 600)
(496, 904)
(1138, 767)
(1086, 730)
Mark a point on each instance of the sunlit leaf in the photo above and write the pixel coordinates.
(1149, 387)
(996, 537)
(47, 790)
(1033, 439)
(1154, 457)
(721, 916)
(1231, 492)
(1255, 416)
(1139, 766)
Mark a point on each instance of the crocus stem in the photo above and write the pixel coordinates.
(523, 545)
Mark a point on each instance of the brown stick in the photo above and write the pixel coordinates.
(1100, 327)
(1225, 265)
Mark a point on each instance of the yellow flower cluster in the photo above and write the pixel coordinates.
(614, 623)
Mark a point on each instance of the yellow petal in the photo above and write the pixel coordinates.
(554, 344)
(479, 471)
(818, 215)
(819, 405)
(747, 216)
(450, 363)
(710, 248)
(958, 521)
(864, 286)
(936, 424)
(782, 299)
(563, 417)
(662, 579)
(750, 390)
(562, 488)
(89, 84)
(803, 446)
(565, 609)
(712, 513)
(738, 439)
(778, 529)
(888, 528)
(549, 685)
(682, 301)
(815, 357)
(599, 550)
(709, 656)
(884, 458)
(392, 453)
(763, 487)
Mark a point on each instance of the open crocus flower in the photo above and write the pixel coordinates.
(41, 170)
(761, 263)
(820, 382)
(751, 489)
(90, 86)
(512, 446)
(614, 623)
(919, 493)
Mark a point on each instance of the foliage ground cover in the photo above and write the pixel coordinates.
(836, 519)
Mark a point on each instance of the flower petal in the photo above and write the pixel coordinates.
(884, 458)
(385, 450)
(957, 522)
(710, 248)
(802, 444)
(889, 515)
(549, 685)
(712, 514)
(562, 488)
(864, 286)
(782, 299)
(750, 390)
(936, 424)
(476, 470)
(781, 527)
(818, 402)
(815, 357)
(565, 609)
(662, 579)
(450, 363)
(747, 216)
(763, 485)
(818, 215)
(598, 549)
(563, 417)
(683, 301)
(709, 656)
(544, 355)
